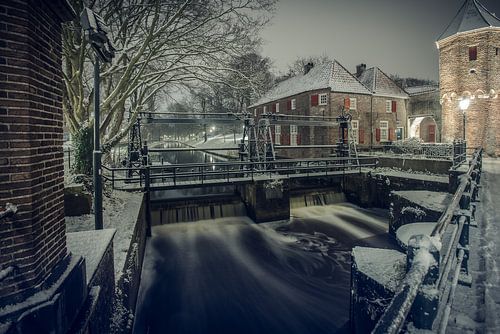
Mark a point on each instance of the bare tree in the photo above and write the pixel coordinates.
(161, 44)
(297, 66)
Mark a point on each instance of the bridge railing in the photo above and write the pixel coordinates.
(231, 171)
(430, 263)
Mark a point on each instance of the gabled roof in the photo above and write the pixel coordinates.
(329, 75)
(381, 84)
(471, 16)
(418, 90)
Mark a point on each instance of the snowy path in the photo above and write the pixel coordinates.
(477, 309)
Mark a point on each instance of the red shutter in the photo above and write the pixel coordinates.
(391, 134)
(361, 136)
(473, 53)
(347, 103)
(298, 138)
(314, 100)
(377, 134)
(289, 105)
(393, 106)
(273, 108)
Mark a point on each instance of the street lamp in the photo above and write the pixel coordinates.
(96, 33)
(463, 105)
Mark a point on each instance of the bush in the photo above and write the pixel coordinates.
(83, 146)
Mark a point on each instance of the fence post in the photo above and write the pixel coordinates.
(148, 201)
(424, 308)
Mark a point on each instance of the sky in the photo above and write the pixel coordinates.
(396, 35)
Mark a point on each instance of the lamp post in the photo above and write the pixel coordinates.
(463, 105)
(96, 33)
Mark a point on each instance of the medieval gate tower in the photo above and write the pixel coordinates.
(469, 68)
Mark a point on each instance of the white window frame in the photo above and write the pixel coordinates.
(255, 112)
(293, 135)
(355, 130)
(323, 99)
(384, 130)
(353, 103)
(388, 105)
(277, 107)
(277, 134)
(293, 104)
(265, 109)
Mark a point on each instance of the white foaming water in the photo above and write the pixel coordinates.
(230, 275)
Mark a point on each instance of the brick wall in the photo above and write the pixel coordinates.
(31, 157)
(458, 79)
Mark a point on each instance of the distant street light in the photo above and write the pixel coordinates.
(96, 33)
(463, 105)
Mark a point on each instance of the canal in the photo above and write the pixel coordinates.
(231, 275)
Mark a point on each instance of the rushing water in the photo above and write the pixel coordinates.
(233, 276)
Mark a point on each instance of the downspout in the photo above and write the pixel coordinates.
(371, 122)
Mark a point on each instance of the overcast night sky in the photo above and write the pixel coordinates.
(396, 35)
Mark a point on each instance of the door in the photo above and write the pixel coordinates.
(293, 135)
(431, 133)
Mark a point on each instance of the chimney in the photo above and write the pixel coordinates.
(360, 69)
(308, 67)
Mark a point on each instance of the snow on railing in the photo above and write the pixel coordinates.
(421, 269)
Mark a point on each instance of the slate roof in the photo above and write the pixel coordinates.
(329, 75)
(471, 16)
(417, 90)
(381, 84)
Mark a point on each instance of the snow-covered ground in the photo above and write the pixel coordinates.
(477, 309)
(119, 212)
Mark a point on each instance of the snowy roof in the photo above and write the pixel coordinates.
(471, 16)
(381, 84)
(329, 75)
(417, 90)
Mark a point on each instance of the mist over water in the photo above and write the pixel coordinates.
(233, 276)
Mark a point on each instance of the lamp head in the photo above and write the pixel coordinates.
(464, 104)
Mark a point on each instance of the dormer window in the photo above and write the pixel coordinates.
(472, 53)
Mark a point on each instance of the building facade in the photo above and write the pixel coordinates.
(469, 63)
(322, 92)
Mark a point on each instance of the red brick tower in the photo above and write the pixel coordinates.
(469, 67)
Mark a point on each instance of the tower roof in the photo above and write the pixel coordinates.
(471, 16)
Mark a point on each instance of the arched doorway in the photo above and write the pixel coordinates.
(425, 128)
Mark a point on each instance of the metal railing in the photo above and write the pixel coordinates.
(202, 174)
(453, 259)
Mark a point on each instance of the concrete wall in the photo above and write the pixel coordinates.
(433, 166)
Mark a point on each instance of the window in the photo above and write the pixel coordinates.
(388, 106)
(400, 133)
(265, 109)
(294, 104)
(293, 135)
(353, 103)
(355, 131)
(472, 53)
(277, 134)
(497, 51)
(323, 99)
(384, 130)
(255, 112)
(277, 107)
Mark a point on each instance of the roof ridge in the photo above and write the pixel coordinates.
(486, 10)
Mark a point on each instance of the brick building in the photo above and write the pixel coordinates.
(387, 115)
(377, 109)
(469, 62)
(424, 113)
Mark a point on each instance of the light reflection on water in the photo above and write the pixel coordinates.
(234, 276)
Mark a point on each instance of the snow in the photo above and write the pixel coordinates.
(381, 84)
(405, 232)
(385, 266)
(432, 200)
(329, 75)
(91, 245)
(417, 90)
(120, 212)
(41, 296)
(4, 273)
(409, 174)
